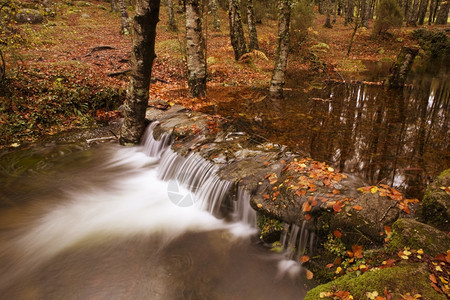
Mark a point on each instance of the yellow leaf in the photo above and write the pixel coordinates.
(420, 251)
(404, 257)
(330, 169)
(374, 189)
(259, 205)
(406, 252)
(338, 270)
(438, 268)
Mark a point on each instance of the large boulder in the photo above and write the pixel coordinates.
(435, 209)
(28, 15)
(415, 235)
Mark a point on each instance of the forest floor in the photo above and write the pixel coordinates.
(59, 64)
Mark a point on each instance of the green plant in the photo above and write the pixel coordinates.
(388, 15)
(302, 18)
(334, 246)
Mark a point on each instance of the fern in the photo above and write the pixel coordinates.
(253, 55)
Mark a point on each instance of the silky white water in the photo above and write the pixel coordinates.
(100, 223)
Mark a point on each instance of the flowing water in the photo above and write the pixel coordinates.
(107, 222)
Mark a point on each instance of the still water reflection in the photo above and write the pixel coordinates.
(398, 137)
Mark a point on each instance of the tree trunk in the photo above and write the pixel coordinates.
(142, 56)
(236, 30)
(124, 18)
(442, 14)
(328, 12)
(279, 72)
(214, 7)
(251, 22)
(349, 12)
(433, 4)
(364, 13)
(172, 23)
(114, 5)
(422, 11)
(195, 49)
(413, 14)
(401, 67)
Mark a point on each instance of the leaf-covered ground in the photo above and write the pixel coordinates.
(67, 55)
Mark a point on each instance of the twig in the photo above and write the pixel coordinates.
(386, 212)
(119, 73)
(99, 48)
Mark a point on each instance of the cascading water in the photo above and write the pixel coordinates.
(101, 223)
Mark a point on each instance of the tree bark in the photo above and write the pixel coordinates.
(236, 30)
(349, 12)
(442, 14)
(195, 49)
(422, 11)
(142, 56)
(251, 22)
(279, 72)
(124, 18)
(328, 12)
(214, 7)
(364, 13)
(401, 67)
(172, 23)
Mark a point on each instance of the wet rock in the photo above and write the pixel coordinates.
(365, 225)
(415, 235)
(27, 15)
(435, 209)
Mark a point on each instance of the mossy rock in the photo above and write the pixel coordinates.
(435, 209)
(415, 235)
(398, 281)
(27, 15)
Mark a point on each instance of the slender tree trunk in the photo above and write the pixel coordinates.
(142, 56)
(442, 14)
(433, 4)
(172, 23)
(413, 14)
(195, 49)
(251, 22)
(355, 29)
(114, 5)
(401, 67)
(364, 13)
(335, 10)
(349, 12)
(328, 12)
(236, 30)
(124, 18)
(279, 72)
(422, 11)
(214, 7)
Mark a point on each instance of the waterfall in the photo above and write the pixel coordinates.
(194, 181)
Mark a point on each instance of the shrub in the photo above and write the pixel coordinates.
(388, 15)
(302, 17)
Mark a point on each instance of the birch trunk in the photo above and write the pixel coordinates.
(195, 49)
(236, 30)
(142, 56)
(251, 21)
(124, 18)
(279, 72)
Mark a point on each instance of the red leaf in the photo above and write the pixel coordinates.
(337, 234)
(306, 206)
(337, 207)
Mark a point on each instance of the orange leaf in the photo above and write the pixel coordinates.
(309, 275)
(337, 207)
(306, 206)
(307, 217)
(388, 230)
(329, 266)
(380, 298)
(304, 258)
(357, 207)
(266, 196)
(337, 234)
(300, 192)
(357, 251)
(336, 191)
(433, 278)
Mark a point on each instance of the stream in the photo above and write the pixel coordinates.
(98, 222)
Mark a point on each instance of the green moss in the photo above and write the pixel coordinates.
(412, 278)
(270, 228)
(416, 235)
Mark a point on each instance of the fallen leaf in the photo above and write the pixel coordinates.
(357, 207)
(357, 251)
(306, 206)
(300, 192)
(337, 234)
(337, 207)
(433, 278)
(309, 275)
(307, 217)
(329, 266)
(304, 258)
